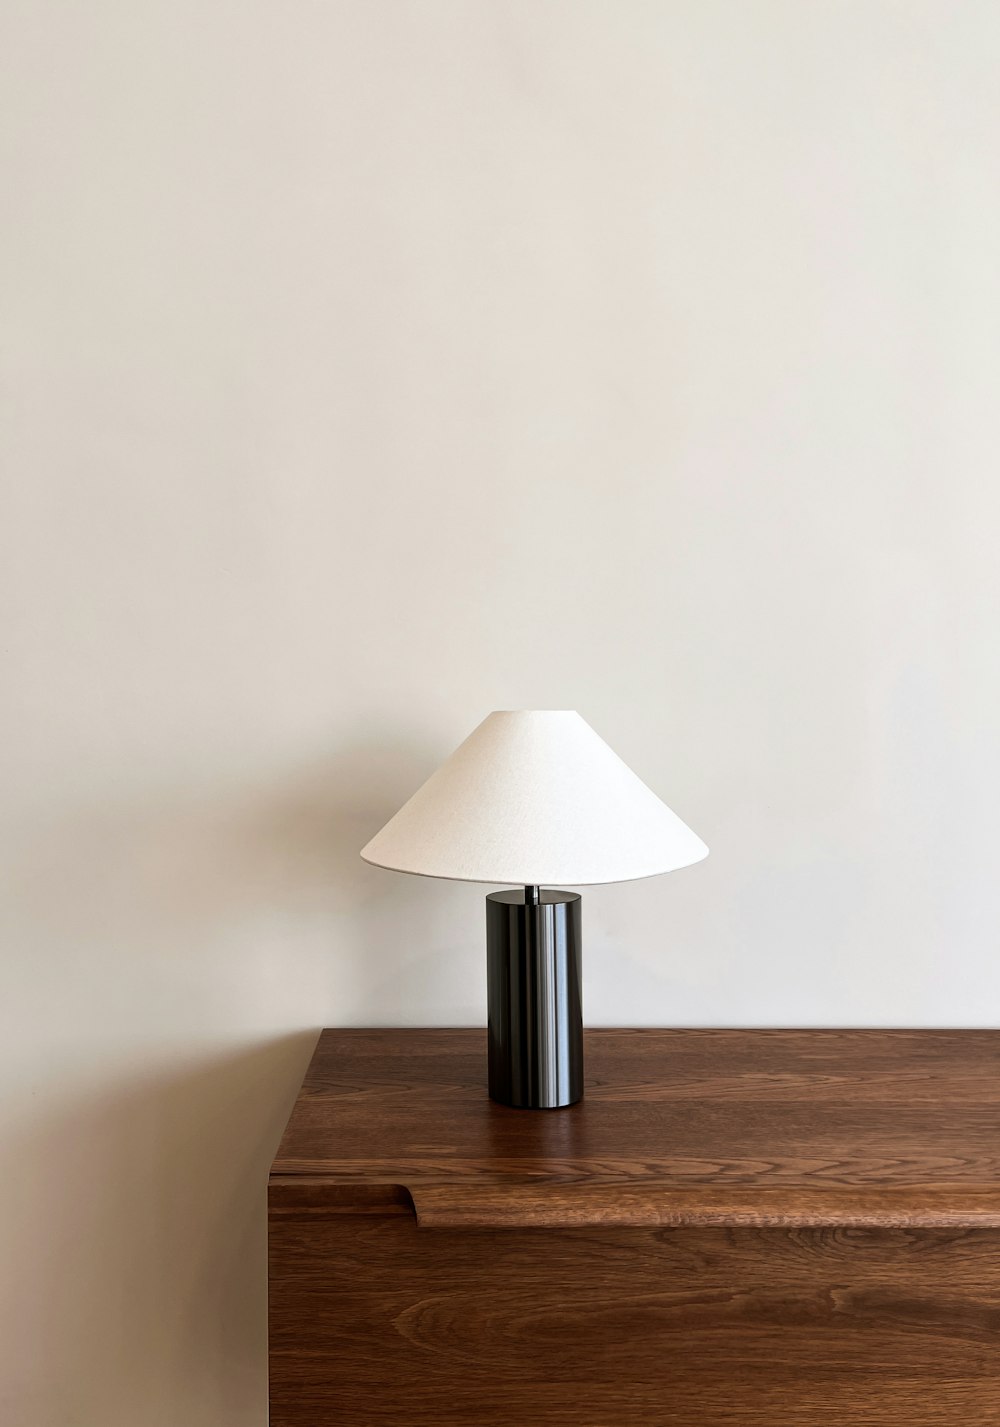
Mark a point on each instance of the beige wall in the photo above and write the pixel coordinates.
(369, 366)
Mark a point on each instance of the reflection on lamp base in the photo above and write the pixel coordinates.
(533, 969)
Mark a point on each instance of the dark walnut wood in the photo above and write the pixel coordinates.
(781, 1227)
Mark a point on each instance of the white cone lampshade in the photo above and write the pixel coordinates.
(535, 798)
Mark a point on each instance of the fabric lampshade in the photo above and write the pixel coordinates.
(535, 798)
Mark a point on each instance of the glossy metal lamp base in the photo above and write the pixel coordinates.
(533, 966)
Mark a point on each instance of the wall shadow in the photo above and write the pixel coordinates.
(144, 1095)
(142, 1259)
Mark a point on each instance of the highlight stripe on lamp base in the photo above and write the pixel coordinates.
(535, 998)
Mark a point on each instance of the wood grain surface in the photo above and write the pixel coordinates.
(766, 1227)
(797, 1128)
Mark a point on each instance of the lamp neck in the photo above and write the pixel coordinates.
(532, 896)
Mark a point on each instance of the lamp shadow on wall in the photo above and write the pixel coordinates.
(143, 1157)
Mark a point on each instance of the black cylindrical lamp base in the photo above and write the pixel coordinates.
(533, 967)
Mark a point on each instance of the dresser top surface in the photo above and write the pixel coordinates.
(761, 1127)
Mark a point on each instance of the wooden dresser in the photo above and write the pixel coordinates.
(732, 1227)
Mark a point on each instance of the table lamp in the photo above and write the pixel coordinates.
(535, 798)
